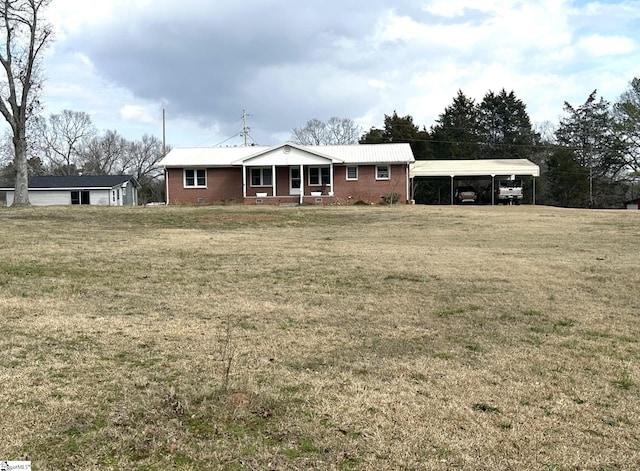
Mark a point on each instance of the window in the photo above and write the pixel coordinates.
(195, 177)
(352, 173)
(80, 197)
(319, 176)
(382, 172)
(261, 176)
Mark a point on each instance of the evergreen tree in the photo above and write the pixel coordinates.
(588, 132)
(455, 135)
(505, 128)
(400, 129)
(627, 123)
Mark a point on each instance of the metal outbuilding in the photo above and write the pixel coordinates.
(475, 168)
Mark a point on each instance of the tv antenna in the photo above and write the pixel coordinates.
(245, 127)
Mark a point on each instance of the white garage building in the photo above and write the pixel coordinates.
(95, 190)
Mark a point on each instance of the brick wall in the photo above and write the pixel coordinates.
(366, 187)
(223, 185)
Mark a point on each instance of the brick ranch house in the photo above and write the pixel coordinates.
(287, 174)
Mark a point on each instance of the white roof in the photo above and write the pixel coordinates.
(288, 154)
(473, 168)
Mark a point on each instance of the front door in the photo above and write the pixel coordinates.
(294, 181)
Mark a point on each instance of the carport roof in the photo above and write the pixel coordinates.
(473, 168)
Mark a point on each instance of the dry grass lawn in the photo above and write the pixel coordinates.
(237, 338)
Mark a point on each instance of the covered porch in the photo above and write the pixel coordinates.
(288, 175)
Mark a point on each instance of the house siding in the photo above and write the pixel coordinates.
(61, 197)
(223, 185)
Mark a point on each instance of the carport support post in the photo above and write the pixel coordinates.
(534, 190)
(452, 188)
(493, 189)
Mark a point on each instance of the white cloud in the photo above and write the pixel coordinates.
(600, 46)
(137, 113)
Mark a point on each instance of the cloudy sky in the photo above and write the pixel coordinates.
(287, 61)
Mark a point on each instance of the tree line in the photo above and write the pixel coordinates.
(591, 158)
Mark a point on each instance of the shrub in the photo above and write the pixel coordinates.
(391, 198)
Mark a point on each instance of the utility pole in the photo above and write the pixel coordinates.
(164, 135)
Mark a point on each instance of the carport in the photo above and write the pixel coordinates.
(475, 168)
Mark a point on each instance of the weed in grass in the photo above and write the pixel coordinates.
(624, 381)
(483, 407)
(349, 463)
(564, 323)
(291, 453)
(404, 277)
(451, 312)
(474, 347)
(535, 340)
(508, 317)
(306, 446)
(505, 425)
(443, 355)
(443, 453)
(617, 421)
(227, 353)
(532, 313)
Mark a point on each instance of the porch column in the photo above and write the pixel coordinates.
(273, 179)
(331, 179)
(301, 184)
(244, 181)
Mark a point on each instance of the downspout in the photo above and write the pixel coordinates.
(166, 186)
(406, 171)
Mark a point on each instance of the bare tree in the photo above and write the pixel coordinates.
(25, 35)
(143, 158)
(103, 155)
(142, 162)
(63, 139)
(336, 131)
